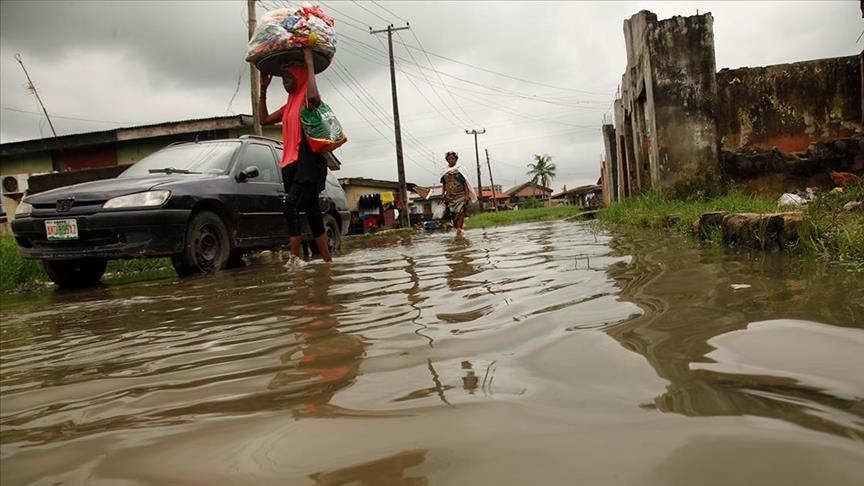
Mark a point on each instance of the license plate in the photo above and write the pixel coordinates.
(61, 229)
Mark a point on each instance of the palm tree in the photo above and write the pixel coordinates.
(542, 170)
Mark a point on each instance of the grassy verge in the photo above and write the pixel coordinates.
(17, 273)
(652, 210)
(828, 229)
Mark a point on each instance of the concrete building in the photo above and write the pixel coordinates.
(683, 128)
(665, 133)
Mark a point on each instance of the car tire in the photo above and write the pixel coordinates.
(83, 272)
(206, 248)
(235, 259)
(333, 232)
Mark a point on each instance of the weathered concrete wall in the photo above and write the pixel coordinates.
(623, 151)
(789, 106)
(26, 164)
(632, 122)
(783, 127)
(665, 120)
(684, 128)
(684, 92)
(610, 165)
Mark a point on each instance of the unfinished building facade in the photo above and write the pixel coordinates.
(683, 128)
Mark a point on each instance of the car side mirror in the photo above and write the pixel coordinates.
(247, 173)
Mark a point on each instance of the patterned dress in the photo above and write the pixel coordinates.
(454, 186)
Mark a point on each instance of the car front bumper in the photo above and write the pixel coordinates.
(116, 234)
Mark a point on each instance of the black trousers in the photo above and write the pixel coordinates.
(301, 196)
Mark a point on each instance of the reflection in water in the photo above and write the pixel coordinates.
(321, 359)
(460, 357)
(696, 297)
(387, 471)
(460, 258)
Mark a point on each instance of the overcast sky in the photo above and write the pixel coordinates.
(539, 77)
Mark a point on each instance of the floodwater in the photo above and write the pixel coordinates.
(543, 353)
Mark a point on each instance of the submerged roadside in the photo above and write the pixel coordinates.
(20, 275)
(830, 226)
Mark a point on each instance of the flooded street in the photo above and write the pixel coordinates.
(543, 353)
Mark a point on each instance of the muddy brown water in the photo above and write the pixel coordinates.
(545, 353)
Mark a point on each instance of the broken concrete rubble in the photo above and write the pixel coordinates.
(767, 232)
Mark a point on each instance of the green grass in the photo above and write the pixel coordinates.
(830, 230)
(17, 274)
(827, 229)
(652, 210)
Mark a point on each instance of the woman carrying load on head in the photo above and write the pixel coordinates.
(304, 173)
(456, 190)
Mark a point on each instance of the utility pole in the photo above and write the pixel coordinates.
(253, 72)
(404, 220)
(492, 182)
(32, 88)
(477, 156)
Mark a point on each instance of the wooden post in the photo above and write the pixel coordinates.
(253, 72)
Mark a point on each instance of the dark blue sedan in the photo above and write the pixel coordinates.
(204, 204)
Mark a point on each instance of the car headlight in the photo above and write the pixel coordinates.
(24, 208)
(138, 200)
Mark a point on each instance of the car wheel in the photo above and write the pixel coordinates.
(235, 259)
(334, 233)
(83, 272)
(207, 247)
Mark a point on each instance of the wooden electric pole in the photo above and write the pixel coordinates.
(492, 182)
(404, 220)
(32, 88)
(477, 156)
(253, 72)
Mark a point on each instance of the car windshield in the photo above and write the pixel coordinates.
(197, 158)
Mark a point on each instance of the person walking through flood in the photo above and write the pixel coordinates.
(457, 191)
(304, 173)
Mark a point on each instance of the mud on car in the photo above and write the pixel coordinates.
(203, 204)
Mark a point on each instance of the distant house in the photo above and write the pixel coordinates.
(520, 193)
(432, 199)
(423, 199)
(582, 196)
(361, 190)
(501, 199)
(355, 187)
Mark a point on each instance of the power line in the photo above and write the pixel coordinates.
(388, 11)
(435, 107)
(66, 117)
(371, 12)
(467, 117)
(474, 66)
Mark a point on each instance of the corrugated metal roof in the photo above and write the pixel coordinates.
(124, 133)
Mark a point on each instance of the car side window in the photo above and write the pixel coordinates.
(262, 157)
